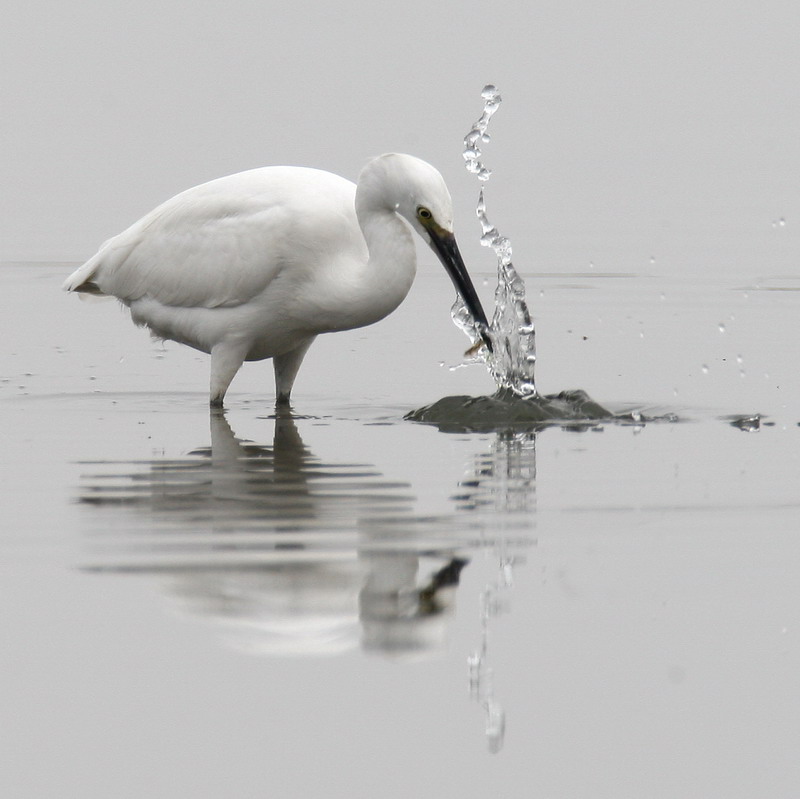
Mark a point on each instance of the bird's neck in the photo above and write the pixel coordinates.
(392, 263)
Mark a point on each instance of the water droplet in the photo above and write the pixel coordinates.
(470, 140)
(781, 222)
(652, 260)
(721, 327)
(704, 367)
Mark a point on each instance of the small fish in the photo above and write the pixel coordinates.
(474, 349)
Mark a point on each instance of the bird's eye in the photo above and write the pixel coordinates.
(424, 213)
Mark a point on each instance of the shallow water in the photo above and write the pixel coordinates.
(345, 603)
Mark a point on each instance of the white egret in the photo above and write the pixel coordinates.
(257, 264)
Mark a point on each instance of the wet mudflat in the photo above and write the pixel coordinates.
(342, 601)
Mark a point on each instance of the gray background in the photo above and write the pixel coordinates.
(626, 127)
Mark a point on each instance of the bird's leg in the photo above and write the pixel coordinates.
(286, 367)
(226, 359)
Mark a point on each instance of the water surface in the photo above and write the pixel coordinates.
(344, 603)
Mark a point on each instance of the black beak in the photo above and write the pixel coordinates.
(444, 243)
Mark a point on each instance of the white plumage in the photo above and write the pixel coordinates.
(256, 265)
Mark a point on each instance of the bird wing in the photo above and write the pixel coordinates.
(222, 243)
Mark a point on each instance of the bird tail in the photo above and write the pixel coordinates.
(81, 279)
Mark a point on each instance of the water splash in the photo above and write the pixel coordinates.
(513, 362)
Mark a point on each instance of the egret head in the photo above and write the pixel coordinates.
(416, 191)
(411, 188)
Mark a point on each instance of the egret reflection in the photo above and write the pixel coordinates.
(286, 553)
